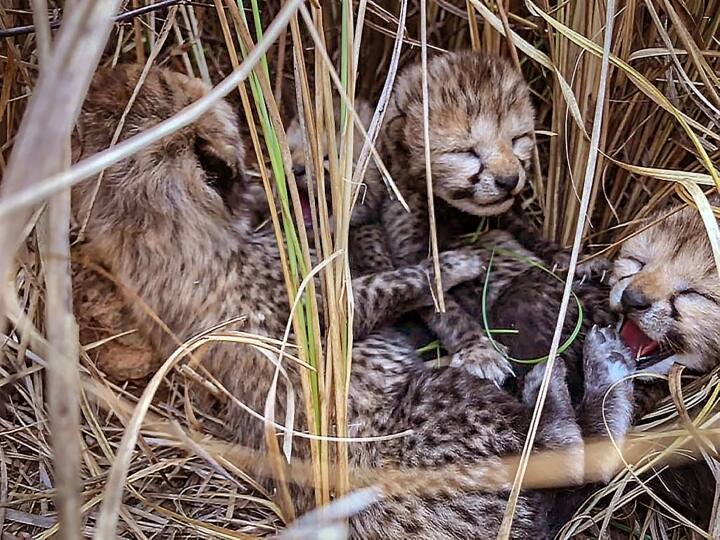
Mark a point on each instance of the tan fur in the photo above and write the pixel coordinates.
(481, 125)
(672, 267)
(102, 314)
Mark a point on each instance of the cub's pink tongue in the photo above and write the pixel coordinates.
(636, 340)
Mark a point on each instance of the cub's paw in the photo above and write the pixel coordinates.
(606, 358)
(482, 360)
(460, 265)
(596, 268)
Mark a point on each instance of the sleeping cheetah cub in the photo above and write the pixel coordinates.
(481, 124)
(665, 284)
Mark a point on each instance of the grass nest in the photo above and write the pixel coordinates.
(653, 138)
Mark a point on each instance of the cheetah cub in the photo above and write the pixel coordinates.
(481, 125)
(665, 284)
(369, 252)
(172, 222)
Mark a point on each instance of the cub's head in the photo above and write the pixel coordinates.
(373, 188)
(296, 137)
(665, 283)
(481, 125)
(188, 186)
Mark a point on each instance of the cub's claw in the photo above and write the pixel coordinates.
(606, 358)
(597, 267)
(482, 360)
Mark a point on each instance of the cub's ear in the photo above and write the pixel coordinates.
(223, 177)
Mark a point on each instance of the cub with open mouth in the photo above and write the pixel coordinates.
(306, 175)
(665, 284)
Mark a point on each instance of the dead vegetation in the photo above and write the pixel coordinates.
(652, 137)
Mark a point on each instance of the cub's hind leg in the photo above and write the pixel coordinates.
(558, 425)
(606, 409)
(558, 429)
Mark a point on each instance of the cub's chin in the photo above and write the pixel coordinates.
(493, 208)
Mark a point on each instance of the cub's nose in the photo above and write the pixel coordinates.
(634, 300)
(508, 183)
(299, 170)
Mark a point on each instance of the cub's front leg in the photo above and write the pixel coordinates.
(463, 336)
(382, 297)
(465, 339)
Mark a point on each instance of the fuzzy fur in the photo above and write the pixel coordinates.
(480, 124)
(670, 268)
(172, 224)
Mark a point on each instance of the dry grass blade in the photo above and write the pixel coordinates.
(434, 250)
(43, 149)
(42, 28)
(63, 385)
(52, 112)
(156, 462)
(381, 106)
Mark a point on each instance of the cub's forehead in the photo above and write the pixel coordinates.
(480, 97)
(472, 82)
(680, 241)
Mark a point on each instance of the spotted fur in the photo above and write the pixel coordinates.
(172, 224)
(480, 126)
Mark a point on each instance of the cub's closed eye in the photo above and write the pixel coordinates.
(693, 292)
(640, 263)
(465, 152)
(636, 266)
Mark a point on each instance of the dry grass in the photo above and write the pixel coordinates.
(657, 140)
